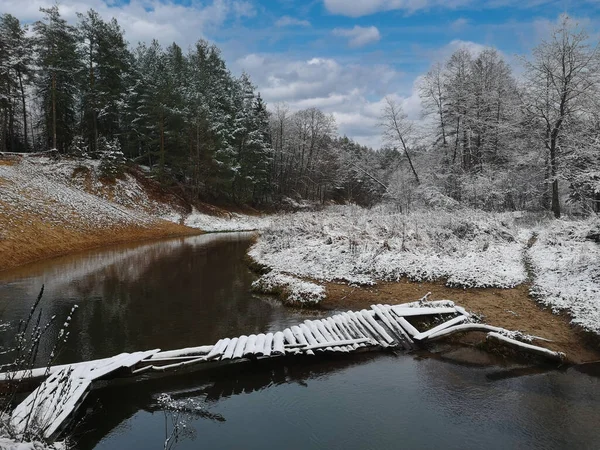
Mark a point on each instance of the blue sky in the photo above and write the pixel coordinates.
(343, 56)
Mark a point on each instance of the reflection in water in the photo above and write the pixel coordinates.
(170, 294)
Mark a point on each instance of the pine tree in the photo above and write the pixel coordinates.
(15, 74)
(58, 66)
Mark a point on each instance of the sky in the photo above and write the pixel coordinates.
(342, 56)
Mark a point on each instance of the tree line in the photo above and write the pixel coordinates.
(488, 139)
(500, 141)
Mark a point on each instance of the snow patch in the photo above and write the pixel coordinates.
(234, 222)
(294, 290)
(566, 266)
(361, 246)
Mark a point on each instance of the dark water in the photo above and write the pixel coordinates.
(169, 294)
(193, 291)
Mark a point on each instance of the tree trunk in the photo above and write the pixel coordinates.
(25, 140)
(553, 173)
(410, 161)
(54, 142)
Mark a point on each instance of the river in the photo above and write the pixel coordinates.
(192, 291)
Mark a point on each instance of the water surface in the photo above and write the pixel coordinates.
(192, 291)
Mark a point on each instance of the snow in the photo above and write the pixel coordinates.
(296, 291)
(74, 189)
(70, 193)
(234, 222)
(361, 246)
(9, 444)
(567, 270)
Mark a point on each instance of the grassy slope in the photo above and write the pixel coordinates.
(49, 208)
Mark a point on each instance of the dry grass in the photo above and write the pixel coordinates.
(513, 309)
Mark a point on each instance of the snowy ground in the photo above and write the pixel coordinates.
(69, 193)
(51, 189)
(468, 248)
(233, 222)
(292, 290)
(9, 444)
(566, 264)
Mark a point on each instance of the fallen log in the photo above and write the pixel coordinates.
(528, 348)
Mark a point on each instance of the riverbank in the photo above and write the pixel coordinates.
(51, 207)
(488, 262)
(512, 309)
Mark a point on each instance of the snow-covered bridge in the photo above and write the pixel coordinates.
(50, 407)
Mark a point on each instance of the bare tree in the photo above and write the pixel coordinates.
(398, 130)
(431, 91)
(560, 80)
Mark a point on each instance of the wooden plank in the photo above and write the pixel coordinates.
(463, 311)
(327, 335)
(365, 327)
(346, 323)
(347, 333)
(442, 326)
(308, 335)
(260, 344)
(522, 346)
(228, 353)
(410, 312)
(355, 324)
(278, 346)
(250, 345)
(299, 335)
(190, 351)
(394, 326)
(292, 344)
(350, 342)
(464, 328)
(317, 334)
(239, 348)
(329, 326)
(369, 318)
(218, 349)
(268, 347)
(412, 331)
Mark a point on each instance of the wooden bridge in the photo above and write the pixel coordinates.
(51, 407)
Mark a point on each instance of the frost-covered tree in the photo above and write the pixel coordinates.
(561, 83)
(16, 73)
(105, 62)
(398, 131)
(58, 67)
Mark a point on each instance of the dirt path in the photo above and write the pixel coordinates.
(509, 308)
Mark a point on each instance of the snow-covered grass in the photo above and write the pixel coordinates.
(70, 193)
(232, 222)
(75, 188)
(348, 243)
(566, 266)
(292, 290)
(9, 444)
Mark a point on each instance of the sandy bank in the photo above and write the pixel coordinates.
(51, 207)
(512, 309)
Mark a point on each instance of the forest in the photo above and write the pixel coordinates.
(492, 136)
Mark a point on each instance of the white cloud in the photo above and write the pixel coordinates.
(358, 8)
(144, 20)
(358, 36)
(287, 21)
(367, 7)
(353, 93)
(459, 24)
